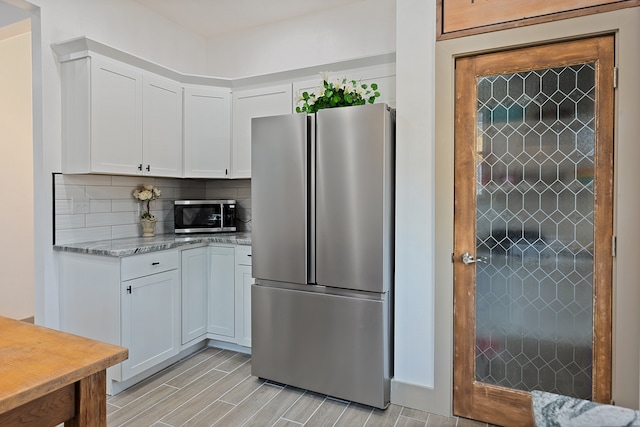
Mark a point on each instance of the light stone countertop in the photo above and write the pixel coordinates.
(551, 410)
(139, 245)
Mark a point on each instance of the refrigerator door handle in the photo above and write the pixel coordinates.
(311, 201)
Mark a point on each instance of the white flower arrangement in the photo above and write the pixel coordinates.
(338, 92)
(146, 193)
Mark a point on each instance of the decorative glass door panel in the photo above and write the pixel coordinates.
(533, 215)
(534, 229)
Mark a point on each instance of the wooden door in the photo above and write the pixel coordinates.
(533, 227)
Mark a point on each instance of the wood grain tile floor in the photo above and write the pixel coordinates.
(215, 388)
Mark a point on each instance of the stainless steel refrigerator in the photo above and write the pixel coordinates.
(322, 203)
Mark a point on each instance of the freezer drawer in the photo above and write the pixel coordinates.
(335, 345)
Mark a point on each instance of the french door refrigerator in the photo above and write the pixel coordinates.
(322, 251)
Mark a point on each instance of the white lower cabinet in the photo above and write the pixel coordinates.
(150, 320)
(221, 291)
(243, 295)
(195, 293)
(133, 302)
(216, 294)
(157, 304)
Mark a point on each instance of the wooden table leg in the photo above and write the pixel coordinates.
(91, 401)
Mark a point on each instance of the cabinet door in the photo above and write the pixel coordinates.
(194, 293)
(221, 291)
(243, 295)
(207, 132)
(116, 118)
(243, 286)
(162, 128)
(247, 104)
(150, 320)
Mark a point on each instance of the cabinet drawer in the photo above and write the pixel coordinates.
(243, 255)
(150, 263)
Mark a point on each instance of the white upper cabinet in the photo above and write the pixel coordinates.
(114, 134)
(162, 127)
(124, 115)
(207, 132)
(247, 104)
(119, 120)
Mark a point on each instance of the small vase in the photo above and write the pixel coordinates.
(148, 227)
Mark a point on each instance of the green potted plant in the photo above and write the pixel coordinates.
(338, 92)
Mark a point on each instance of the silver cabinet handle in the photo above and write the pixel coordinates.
(467, 259)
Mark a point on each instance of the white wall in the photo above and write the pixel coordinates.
(16, 172)
(414, 346)
(126, 25)
(357, 30)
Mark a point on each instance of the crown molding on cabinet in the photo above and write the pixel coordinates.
(81, 47)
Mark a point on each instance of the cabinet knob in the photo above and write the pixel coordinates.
(129, 289)
(148, 168)
(140, 167)
(155, 263)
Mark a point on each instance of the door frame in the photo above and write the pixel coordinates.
(437, 397)
(489, 402)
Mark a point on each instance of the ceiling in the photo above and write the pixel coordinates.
(210, 18)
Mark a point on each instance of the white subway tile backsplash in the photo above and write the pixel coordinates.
(132, 181)
(110, 192)
(114, 213)
(64, 222)
(83, 179)
(163, 205)
(109, 219)
(244, 193)
(164, 227)
(63, 207)
(128, 230)
(69, 191)
(189, 193)
(222, 193)
(183, 183)
(119, 205)
(228, 183)
(99, 206)
(83, 235)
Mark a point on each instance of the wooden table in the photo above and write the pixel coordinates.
(48, 377)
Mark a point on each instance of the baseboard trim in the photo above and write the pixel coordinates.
(114, 387)
(229, 346)
(28, 320)
(420, 397)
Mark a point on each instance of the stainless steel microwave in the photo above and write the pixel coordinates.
(204, 216)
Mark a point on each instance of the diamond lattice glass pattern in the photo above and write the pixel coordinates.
(534, 225)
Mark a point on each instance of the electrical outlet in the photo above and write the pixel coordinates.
(80, 205)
